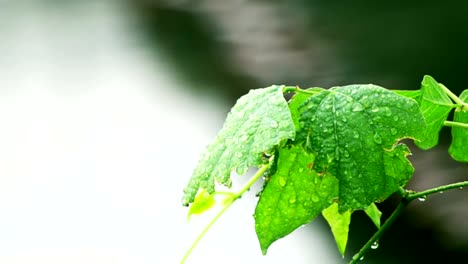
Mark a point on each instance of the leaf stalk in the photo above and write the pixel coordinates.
(226, 205)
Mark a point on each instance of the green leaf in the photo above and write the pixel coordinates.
(352, 131)
(374, 214)
(339, 224)
(435, 105)
(202, 203)
(294, 196)
(257, 123)
(413, 94)
(459, 146)
(296, 101)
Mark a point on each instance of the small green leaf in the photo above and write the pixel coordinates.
(294, 196)
(352, 131)
(257, 123)
(374, 214)
(459, 146)
(435, 105)
(339, 224)
(202, 203)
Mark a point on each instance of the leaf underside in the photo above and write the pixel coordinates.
(353, 131)
(258, 121)
(435, 106)
(293, 196)
(459, 146)
(339, 224)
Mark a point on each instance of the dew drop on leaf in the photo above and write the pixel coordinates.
(422, 198)
(396, 118)
(244, 138)
(357, 107)
(377, 138)
(273, 124)
(393, 131)
(282, 181)
(315, 198)
(292, 200)
(375, 245)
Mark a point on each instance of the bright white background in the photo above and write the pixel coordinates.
(98, 139)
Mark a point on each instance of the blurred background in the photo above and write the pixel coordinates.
(105, 107)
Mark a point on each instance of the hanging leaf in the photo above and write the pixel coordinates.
(339, 224)
(294, 196)
(459, 146)
(257, 123)
(374, 214)
(435, 107)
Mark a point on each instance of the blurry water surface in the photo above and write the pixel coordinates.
(97, 141)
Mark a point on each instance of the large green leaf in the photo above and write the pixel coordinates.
(259, 121)
(435, 106)
(339, 224)
(459, 147)
(294, 196)
(353, 131)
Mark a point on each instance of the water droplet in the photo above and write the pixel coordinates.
(244, 138)
(387, 111)
(396, 118)
(461, 188)
(361, 258)
(393, 131)
(337, 153)
(375, 109)
(422, 198)
(315, 198)
(375, 245)
(357, 107)
(273, 124)
(282, 181)
(301, 169)
(346, 154)
(377, 138)
(441, 192)
(292, 199)
(355, 134)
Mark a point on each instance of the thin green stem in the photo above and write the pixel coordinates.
(411, 196)
(455, 124)
(235, 196)
(296, 89)
(401, 207)
(455, 98)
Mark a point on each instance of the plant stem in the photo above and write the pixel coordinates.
(296, 89)
(401, 207)
(455, 98)
(407, 197)
(412, 196)
(455, 124)
(235, 196)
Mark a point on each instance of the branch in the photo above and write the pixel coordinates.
(455, 124)
(401, 207)
(411, 196)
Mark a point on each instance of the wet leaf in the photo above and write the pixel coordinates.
(435, 106)
(459, 146)
(374, 214)
(339, 224)
(353, 131)
(294, 196)
(257, 123)
(202, 203)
